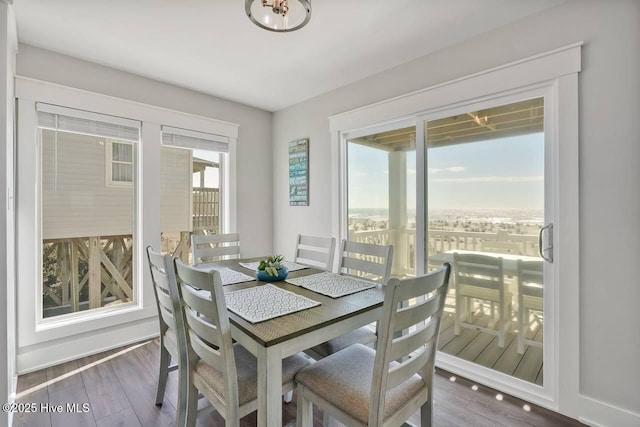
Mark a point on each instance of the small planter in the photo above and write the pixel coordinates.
(263, 276)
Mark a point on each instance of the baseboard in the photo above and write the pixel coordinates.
(600, 414)
(52, 353)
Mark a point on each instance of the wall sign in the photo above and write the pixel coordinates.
(299, 172)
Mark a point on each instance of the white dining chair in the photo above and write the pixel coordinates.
(315, 252)
(225, 373)
(173, 345)
(530, 299)
(363, 261)
(481, 277)
(214, 247)
(362, 387)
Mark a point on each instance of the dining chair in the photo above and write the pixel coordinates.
(223, 372)
(363, 261)
(173, 345)
(360, 386)
(315, 252)
(214, 247)
(530, 298)
(481, 277)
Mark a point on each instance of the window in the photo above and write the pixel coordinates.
(119, 168)
(87, 228)
(192, 171)
(83, 280)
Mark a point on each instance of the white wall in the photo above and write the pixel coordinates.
(254, 205)
(609, 175)
(7, 233)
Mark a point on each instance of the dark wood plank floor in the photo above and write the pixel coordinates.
(119, 388)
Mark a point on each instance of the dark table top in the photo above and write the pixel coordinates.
(280, 329)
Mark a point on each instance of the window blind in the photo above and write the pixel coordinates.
(185, 138)
(87, 123)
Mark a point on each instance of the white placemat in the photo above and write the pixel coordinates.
(330, 284)
(266, 302)
(228, 276)
(291, 266)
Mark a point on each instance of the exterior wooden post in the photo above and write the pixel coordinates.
(75, 284)
(184, 254)
(95, 298)
(398, 210)
(63, 271)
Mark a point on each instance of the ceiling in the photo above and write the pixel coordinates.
(520, 118)
(211, 46)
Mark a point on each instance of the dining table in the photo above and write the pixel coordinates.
(509, 261)
(274, 339)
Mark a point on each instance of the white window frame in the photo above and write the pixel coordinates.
(43, 343)
(110, 182)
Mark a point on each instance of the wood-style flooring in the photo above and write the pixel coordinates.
(119, 387)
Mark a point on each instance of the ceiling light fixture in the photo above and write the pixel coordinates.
(280, 16)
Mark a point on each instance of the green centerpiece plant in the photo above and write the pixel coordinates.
(272, 269)
(271, 264)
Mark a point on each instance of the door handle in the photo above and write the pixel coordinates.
(549, 249)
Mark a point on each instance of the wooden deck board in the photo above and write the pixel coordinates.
(482, 348)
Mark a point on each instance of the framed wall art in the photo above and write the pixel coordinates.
(299, 172)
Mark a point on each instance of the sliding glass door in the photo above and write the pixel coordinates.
(485, 210)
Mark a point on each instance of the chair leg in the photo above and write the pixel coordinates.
(183, 390)
(192, 404)
(521, 328)
(288, 397)
(501, 321)
(457, 320)
(305, 410)
(426, 413)
(165, 359)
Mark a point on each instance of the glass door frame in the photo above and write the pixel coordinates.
(557, 72)
(499, 380)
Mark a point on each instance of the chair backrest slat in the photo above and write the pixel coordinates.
(217, 252)
(419, 341)
(315, 251)
(478, 270)
(530, 278)
(206, 352)
(406, 344)
(213, 247)
(366, 260)
(412, 315)
(405, 370)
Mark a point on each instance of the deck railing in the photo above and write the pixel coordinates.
(404, 242)
(206, 209)
(86, 273)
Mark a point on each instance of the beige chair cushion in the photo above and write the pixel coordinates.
(344, 380)
(246, 365)
(362, 335)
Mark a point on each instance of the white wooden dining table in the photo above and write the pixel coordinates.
(275, 339)
(509, 261)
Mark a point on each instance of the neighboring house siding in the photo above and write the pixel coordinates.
(77, 203)
(175, 189)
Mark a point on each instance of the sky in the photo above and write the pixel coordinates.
(505, 173)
